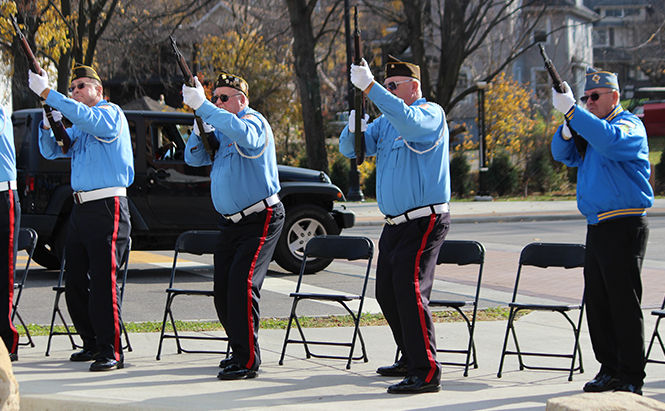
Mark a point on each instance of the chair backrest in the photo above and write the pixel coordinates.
(337, 246)
(461, 252)
(553, 255)
(197, 242)
(27, 241)
(545, 255)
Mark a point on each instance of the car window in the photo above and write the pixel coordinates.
(169, 140)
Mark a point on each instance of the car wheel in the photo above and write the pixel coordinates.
(44, 257)
(301, 224)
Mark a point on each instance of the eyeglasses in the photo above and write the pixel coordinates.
(593, 96)
(223, 97)
(392, 85)
(78, 86)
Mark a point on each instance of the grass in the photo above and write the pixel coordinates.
(656, 145)
(488, 314)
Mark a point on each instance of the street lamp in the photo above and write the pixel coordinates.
(482, 194)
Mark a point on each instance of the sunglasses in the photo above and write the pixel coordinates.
(223, 97)
(593, 96)
(78, 86)
(392, 85)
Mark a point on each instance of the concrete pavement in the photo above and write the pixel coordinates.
(187, 381)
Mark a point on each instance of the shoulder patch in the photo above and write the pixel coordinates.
(424, 105)
(249, 116)
(625, 125)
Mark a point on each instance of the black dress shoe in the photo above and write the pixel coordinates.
(83, 355)
(634, 388)
(602, 382)
(106, 364)
(396, 370)
(235, 372)
(414, 385)
(226, 362)
(13, 356)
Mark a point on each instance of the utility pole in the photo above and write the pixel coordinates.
(482, 194)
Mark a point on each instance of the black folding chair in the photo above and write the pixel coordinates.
(197, 242)
(27, 241)
(461, 252)
(656, 335)
(546, 255)
(60, 289)
(335, 247)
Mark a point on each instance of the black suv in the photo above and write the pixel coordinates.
(167, 196)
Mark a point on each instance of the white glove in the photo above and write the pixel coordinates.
(565, 132)
(352, 122)
(57, 116)
(37, 82)
(361, 76)
(207, 128)
(193, 96)
(563, 102)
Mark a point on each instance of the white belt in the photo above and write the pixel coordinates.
(254, 208)
(6, 185)
(418, 212)
(81, 197)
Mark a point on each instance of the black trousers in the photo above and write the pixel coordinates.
(404, 279)
(97, 237)
(10, 219)
(613, 294)
(242, 256)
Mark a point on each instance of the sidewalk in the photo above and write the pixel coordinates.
(367, 213)
(188, 381)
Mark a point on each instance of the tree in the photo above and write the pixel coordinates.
(309, 86)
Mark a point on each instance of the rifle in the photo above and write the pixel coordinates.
(210, 142)
(359, 102)
(61, 136)
(557, 83)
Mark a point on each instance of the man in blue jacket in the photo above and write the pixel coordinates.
(410, 142)
(102, 168)
(244, 184)
(613, 192)
(10, 216)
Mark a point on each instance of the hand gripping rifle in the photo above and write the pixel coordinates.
(61, 136)
(359, 103)
(557, 83)
(210, 142)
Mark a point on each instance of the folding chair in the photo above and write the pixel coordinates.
(461, 252)
(546, 255)
(27, 241)
(197, 242)
(335, 247)
(60, 289)
(656, 335)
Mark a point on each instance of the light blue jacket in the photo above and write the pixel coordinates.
(101, 149)
(244, 170)
(411, 148)
(613, 176)
(7, 151)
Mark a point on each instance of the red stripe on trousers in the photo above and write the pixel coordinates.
(114, 294)
(419, 300)
(10, 253)
(250, 317)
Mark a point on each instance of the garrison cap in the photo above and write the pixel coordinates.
(84, 71)
(596, 78)
(230, 80)
(396, 67)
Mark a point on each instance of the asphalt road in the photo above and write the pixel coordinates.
(149, 275)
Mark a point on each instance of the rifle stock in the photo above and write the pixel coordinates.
(210, 142)
(557, 83)
(359, 100)
(59, 131)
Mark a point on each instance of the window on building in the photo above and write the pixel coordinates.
(542, 84)
(600, 37)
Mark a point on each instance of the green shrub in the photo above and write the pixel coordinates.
(660, 174)
(369, 184)
(502, 177)
(460, 179)
(540, 173)
(339, 173)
